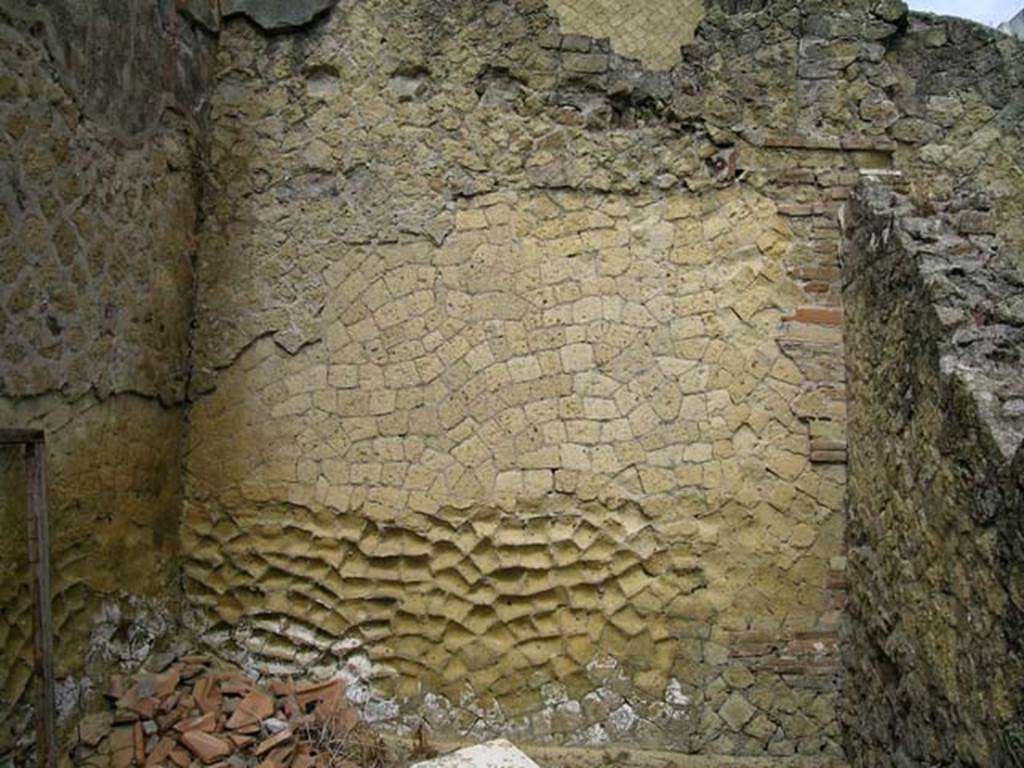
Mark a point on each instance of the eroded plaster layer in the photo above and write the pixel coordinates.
(114, 508)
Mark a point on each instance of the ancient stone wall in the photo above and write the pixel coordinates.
(97, 222)
(935, 333)
(515, 388)
(933, 286)
(514, 404)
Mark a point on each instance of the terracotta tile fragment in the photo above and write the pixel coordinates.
(205, 723)
(282, 687)
(278, 758)
(163, 750)
(188, 671)
(277, 739)
(122, 747)
(205, 746)
(241, 740)
(207, 694)
(241, 719)
(158, 686)
(235, 688)
(331, 691)
(292, 710)
(146, 708)
(817, 316)
(169, 702)
(138, 744)
(254, 707)
(167, 721)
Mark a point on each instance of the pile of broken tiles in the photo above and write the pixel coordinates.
(192, 714)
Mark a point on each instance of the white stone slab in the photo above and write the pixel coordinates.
(493, 754)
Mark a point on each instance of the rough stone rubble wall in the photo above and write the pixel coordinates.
(934, 282)
(97, 221)
(935, 330)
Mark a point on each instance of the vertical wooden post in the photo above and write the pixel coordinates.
(39, 573)
(39, 576)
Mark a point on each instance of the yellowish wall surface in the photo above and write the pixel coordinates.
(114, 502)
(560, 448)
(502, 408)
(652, 31)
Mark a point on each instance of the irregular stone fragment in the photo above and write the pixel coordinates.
(736, 711)
(276, 15)
(122, 747)
(499, 753)
(94, 728)
(203, 12)
(207, 747)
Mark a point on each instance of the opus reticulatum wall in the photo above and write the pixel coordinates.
(490, 355)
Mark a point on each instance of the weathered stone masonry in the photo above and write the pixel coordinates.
(932, 290)
(554, 387)
(515, 385)
(98, 206)
(937, 493)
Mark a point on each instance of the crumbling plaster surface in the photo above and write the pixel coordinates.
(129, 67)
(550, 489)
(422, 371)
(97, 229)
(960, 99)
(85, 305)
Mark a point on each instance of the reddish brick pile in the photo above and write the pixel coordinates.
(193, 714)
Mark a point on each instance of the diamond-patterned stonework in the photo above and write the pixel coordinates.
(563, 439)
(652, 31)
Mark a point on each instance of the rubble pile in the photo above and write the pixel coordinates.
(193, 714)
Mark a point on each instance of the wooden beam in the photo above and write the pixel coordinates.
(39, 574)
(20, 436)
